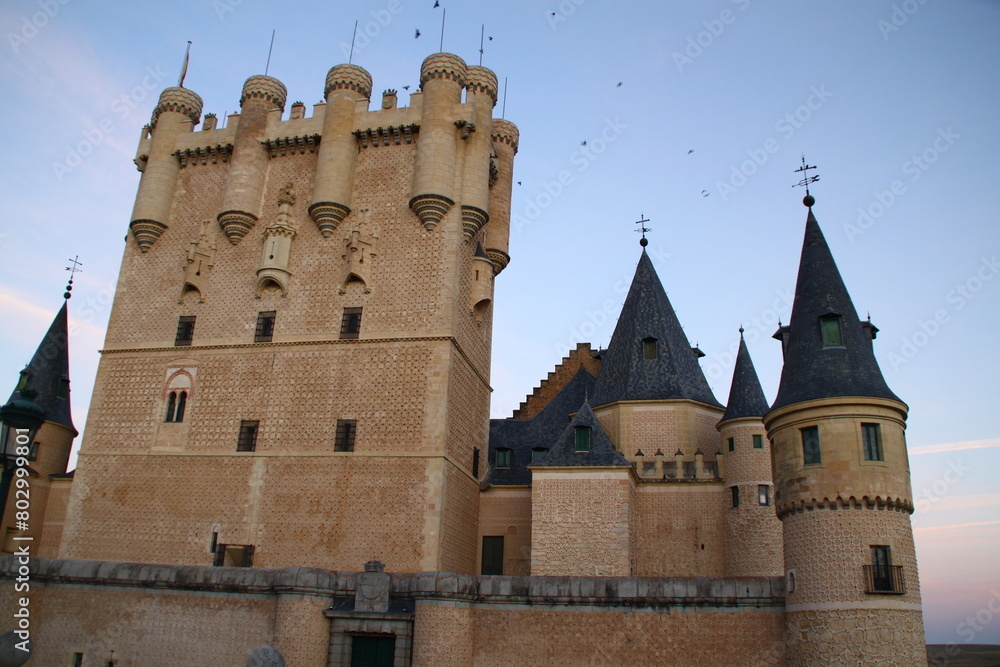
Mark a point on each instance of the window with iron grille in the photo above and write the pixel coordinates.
(810, 446)
(265, 327)
(872, 439)
(882, 576)
(344, 438)
(350, 323)
(247, 441)
(185, 330)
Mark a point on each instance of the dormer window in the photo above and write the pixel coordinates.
(503, 457)
(22, 381)
(582, 434)
(829, 326)
(537, 453)
(649, 348)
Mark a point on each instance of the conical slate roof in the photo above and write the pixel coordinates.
(746, 398)
(812, 370)
(48, 372)
(626, 374)
(601, 453)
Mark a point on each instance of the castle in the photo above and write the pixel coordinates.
(289, 447)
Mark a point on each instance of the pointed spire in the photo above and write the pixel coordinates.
(48, 372)
(649, 357)
(566, 451)
(828, 350)
(746, 398)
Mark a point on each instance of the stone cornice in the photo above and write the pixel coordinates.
(384, 136)
(204, 154)
(299, 144)
(839, 503)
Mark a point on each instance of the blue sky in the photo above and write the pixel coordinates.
(896, 102)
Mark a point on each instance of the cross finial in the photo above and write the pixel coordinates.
(643, 229)
(806, 181)
(73, 269)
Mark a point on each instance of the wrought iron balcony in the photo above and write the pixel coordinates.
(884, 579)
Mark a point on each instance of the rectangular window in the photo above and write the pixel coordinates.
(265, 327)
(537, 453)
(63, 390)
(33, 452)
(882, 576)
(344, 439)
(77, 660)
(503, 458)
(493, 554)
(758, 442)
(735, 490)
(810, 446)
(374, 650)
(829, 326)
(247, 441)
(475, 462)
(583, 438)
(649, 348)
(233, 555)
(185, 330)
(350, 323)
(763, 494)
(872, 439)
(732, 444)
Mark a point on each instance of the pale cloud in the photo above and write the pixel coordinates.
(948, 447)
(965, 502)
(955, 526)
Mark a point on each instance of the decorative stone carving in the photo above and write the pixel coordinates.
(298, 111)
(200, 260)
(389, 99)
(372, 588)
(236, 224)
(278, 245)
(431, 208)
(283, 146)
(473, 220)
(327, 215)
(146, 232)
(383, 136)
(359, 250)
(204, 154)
(499, 258)
(210, 122)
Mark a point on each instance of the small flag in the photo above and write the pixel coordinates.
(184, 67)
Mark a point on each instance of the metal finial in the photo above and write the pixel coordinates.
(643, 229)
(73, 269)
(741, 331)
(806, 181)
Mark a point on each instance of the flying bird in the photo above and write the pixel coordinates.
(417, 35)
(406, 87)
(436, 4)
(583, 143)
(619, 84)
(690, 151)
(491, 39)
(705, 193)
(519, 182)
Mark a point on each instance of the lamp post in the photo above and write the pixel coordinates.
(20, 420)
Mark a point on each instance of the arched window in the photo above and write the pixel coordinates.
(180, 383)
(171, 406)
(181, 404)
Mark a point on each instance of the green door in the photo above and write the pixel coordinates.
(373, 650)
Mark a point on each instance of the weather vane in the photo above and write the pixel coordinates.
(806, 181)
(643, 229)
(73, 269)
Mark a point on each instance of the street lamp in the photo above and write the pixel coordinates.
(20, 420)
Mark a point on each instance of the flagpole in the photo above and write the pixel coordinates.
(271, 48)
(184, 67)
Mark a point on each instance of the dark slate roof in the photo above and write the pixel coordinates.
(521, 435)
(625, 373)
(746, 398)
(480, 252)
(811, 371)
(602, 453)
(48, 368)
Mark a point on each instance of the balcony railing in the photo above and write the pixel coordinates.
(884, 579)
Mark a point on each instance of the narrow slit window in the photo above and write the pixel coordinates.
(344, 439)
(735, 491)
(181, 405)
(810, 446)
(830, 328)
(247, 441)
(582, 438)
(732, 444)
(171, 406)
(265, 327)
(649, 348)
(872, 439)
(185, 330)
(475, 462)
(350, 323)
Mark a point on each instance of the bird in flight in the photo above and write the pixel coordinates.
(705, 193)
(690, 151)
(436, 4)
(417, 35)
(619, 84)
(406, 87)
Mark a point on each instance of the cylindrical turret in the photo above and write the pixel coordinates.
(442, 77)
(505, 137)
(334, 180)
(248, 164)
(178, 110)
(481, 85)
(753, 533)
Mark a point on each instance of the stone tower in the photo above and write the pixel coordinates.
(47, 377)
(842, 482)
(301, 332)
(753, 533)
